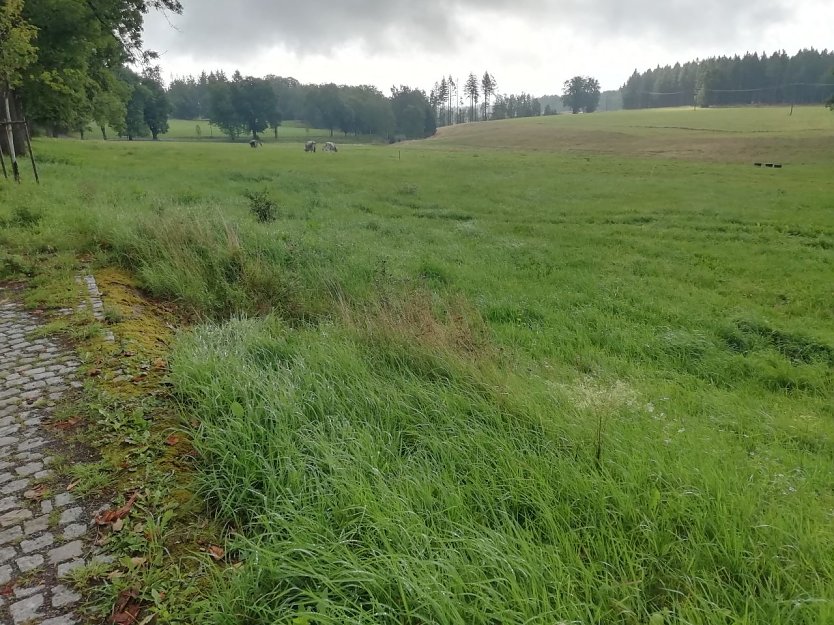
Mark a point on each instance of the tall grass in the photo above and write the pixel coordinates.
(376, 481)
(207, 263)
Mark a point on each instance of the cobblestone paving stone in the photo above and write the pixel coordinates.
(41, 539)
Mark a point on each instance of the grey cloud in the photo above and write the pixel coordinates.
(233, 30)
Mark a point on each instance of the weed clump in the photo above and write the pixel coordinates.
(750, 335)
(12, 265)
(262, 206)
(22, 217)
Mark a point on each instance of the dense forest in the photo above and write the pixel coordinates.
(804, 78)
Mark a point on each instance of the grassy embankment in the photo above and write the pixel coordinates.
(585, 376)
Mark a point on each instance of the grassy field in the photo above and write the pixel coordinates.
(291, 131)
(187, 130)
(740, 135)
(568, 370)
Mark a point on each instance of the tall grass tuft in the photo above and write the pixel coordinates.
(212, 266)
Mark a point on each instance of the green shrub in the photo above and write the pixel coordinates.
(262, 206)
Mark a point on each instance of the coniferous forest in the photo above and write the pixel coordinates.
(804, 78)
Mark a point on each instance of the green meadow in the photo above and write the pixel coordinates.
(291, 131)
(575, 369)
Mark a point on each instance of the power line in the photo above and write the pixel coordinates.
(782, 87)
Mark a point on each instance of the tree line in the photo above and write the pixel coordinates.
(478, 99)
(249, 105)
(804, 78)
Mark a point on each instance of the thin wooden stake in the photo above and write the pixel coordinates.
(31, 153)
(3, 163)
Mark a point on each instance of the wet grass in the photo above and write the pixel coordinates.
(450, 384)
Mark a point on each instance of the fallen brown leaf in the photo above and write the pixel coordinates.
(172, 440)
(36, 493)
(127, 608)
(127, 614)
(71, 486)
(109, 517)
(216, 552)
(68, 424)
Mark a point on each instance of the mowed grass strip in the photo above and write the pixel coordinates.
(461, 384)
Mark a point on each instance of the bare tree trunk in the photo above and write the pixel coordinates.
(103, 133)
(18, 131)
(10, 138)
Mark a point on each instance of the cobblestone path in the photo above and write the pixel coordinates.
(41, 535)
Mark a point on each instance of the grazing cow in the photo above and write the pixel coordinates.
(310, 146)
(255, 143)
(330, 147)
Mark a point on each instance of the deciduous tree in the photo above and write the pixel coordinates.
(156, 106)
(325, 108)
(581, 93)
(81, 46)
(135, 125)
(222, 110)
(184, 94)
(412, 112)
(109, 109)
(255, 102)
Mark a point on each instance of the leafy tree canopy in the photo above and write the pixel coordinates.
(581, 94)
(81, 46)
(17, 52)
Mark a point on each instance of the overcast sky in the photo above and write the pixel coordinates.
(528, 45)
